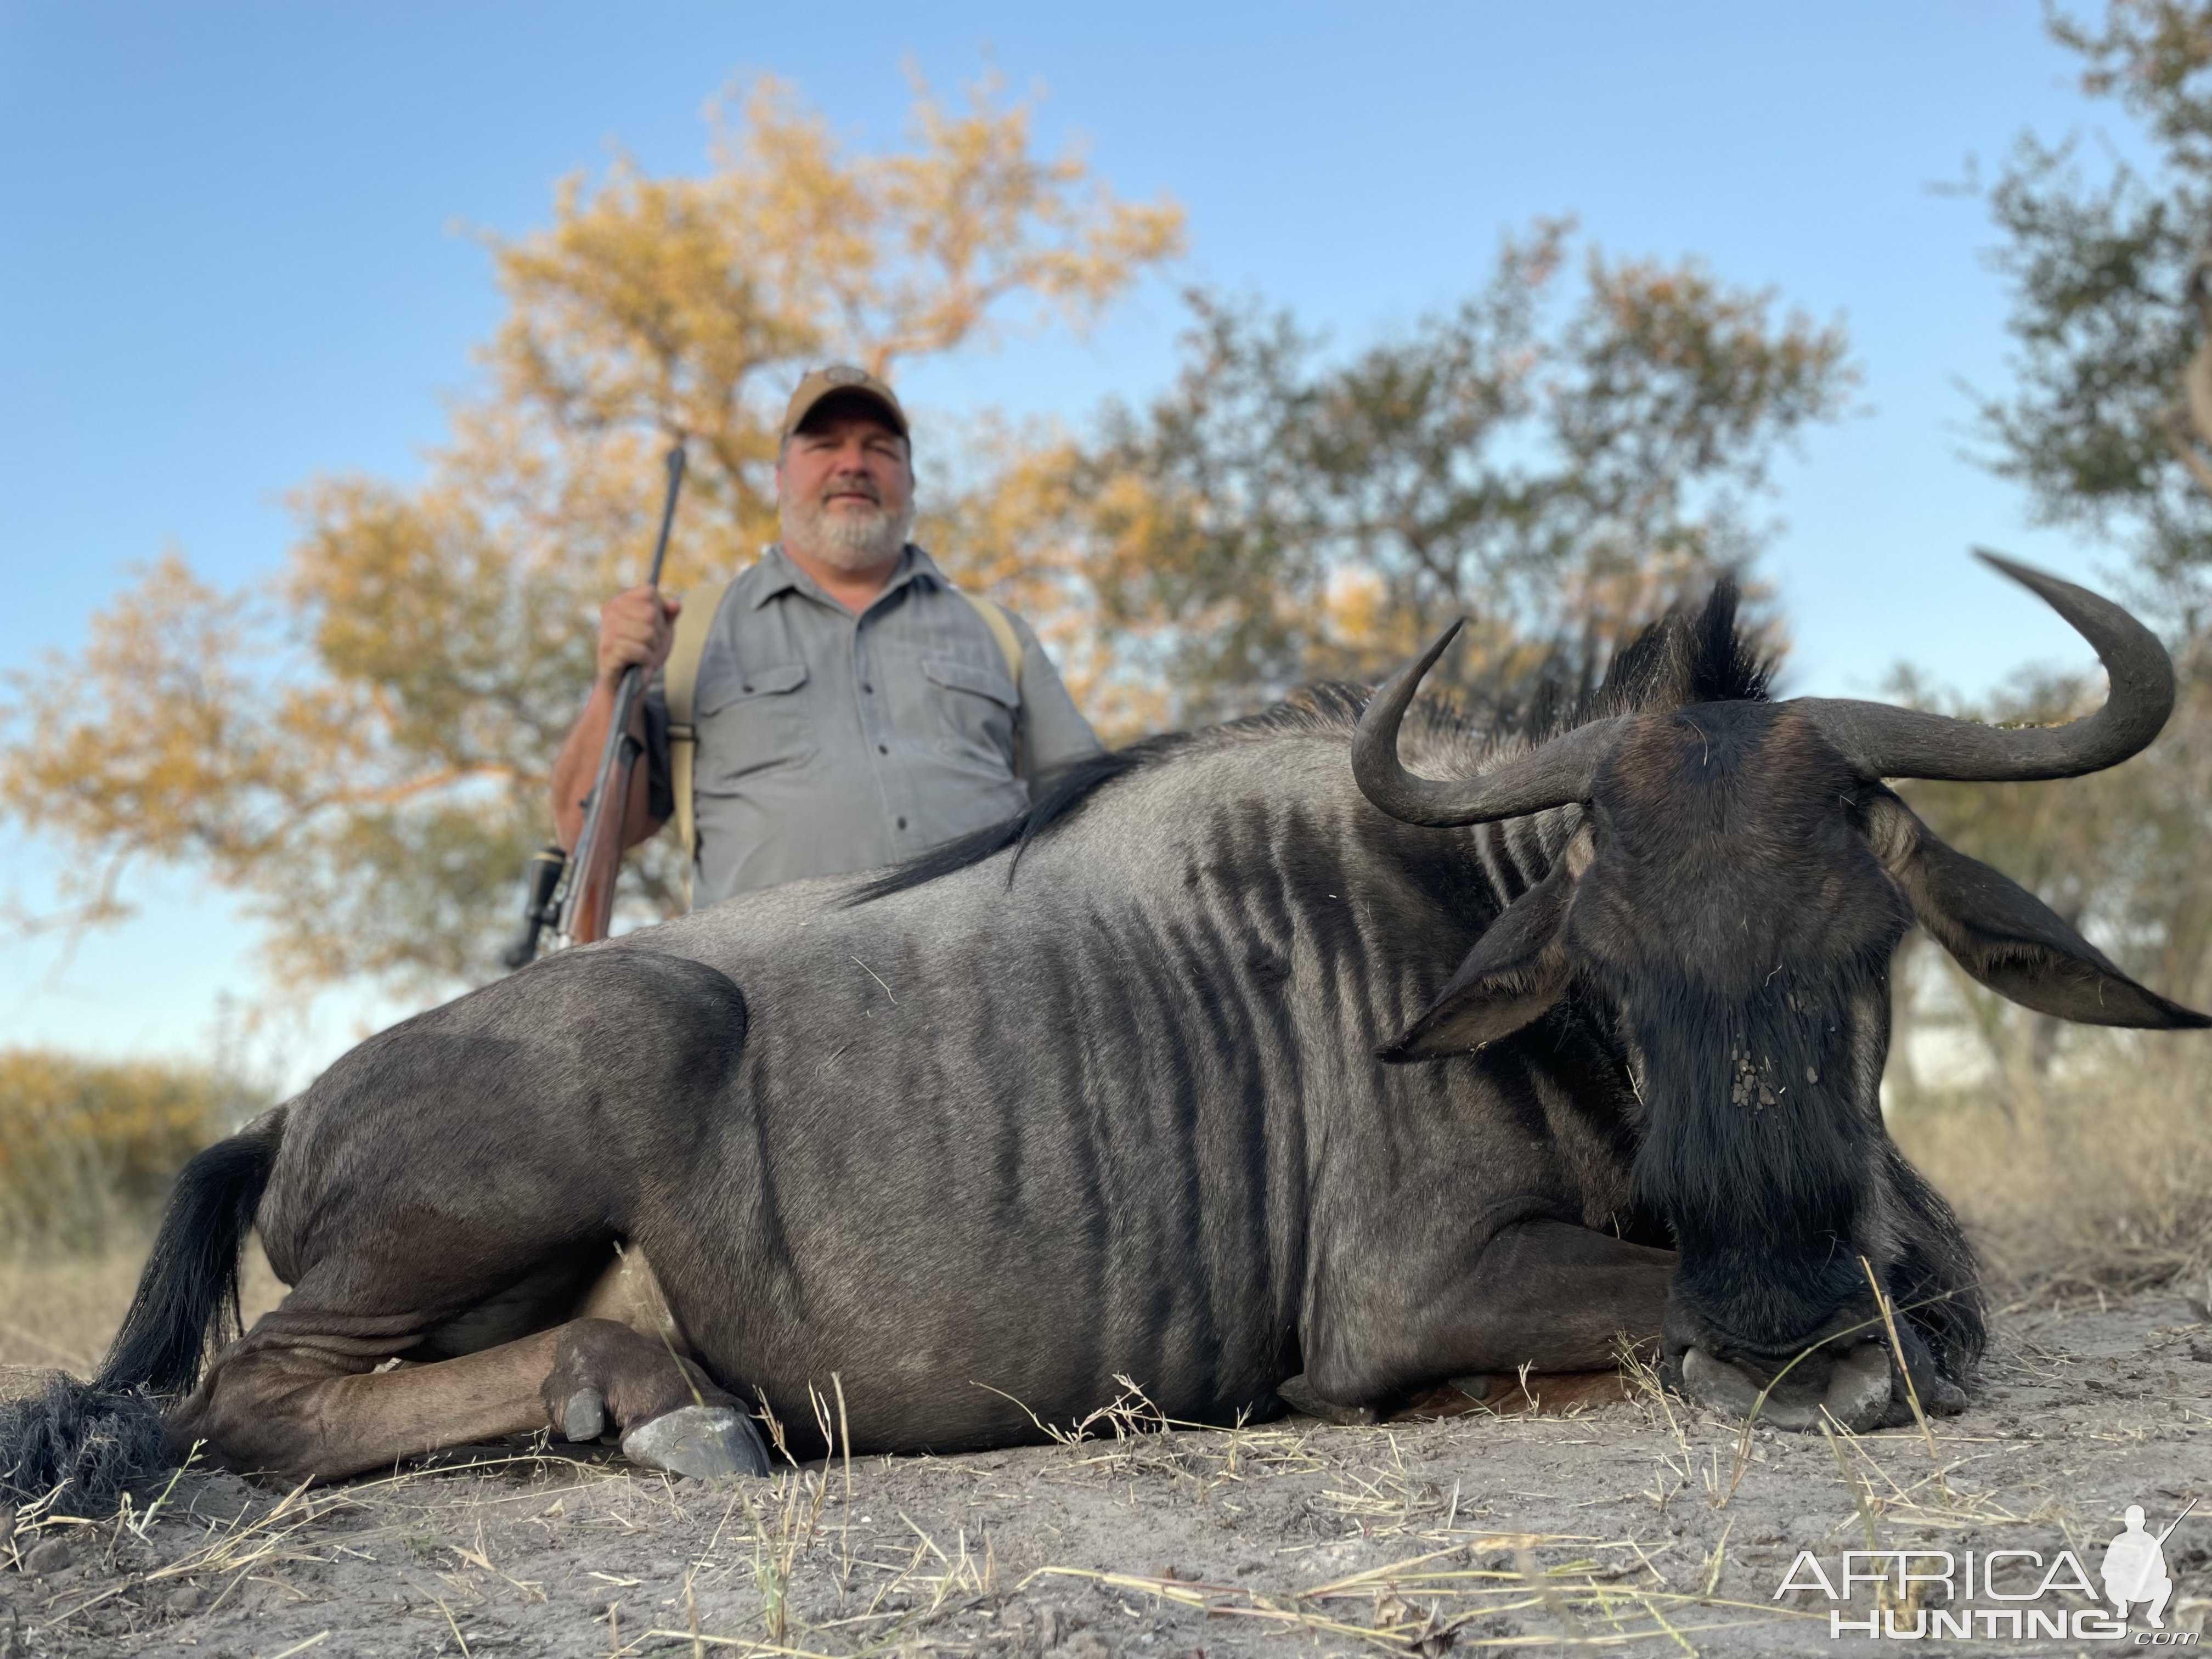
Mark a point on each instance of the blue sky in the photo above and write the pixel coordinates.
(237, 254)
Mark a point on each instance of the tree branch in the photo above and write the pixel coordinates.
(2181, 433)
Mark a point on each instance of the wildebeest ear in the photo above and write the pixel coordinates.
(2009, 938)
(1517, 969)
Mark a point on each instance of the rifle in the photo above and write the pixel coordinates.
(2176, 1522)
(576, 891)
(540, 902)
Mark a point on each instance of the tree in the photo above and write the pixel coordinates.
(1277, 516)
(2110, 423)
(2109, 426)
(89, 1150)
(359, 748)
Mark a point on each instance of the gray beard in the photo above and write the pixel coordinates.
(844, 540)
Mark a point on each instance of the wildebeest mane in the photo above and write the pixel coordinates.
(1059, 797)
(1689, 655)
(1701, 655)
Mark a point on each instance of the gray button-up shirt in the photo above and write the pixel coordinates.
(829, 742)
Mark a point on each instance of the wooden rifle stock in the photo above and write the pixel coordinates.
(587, 908)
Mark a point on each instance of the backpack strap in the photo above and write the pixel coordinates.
(1001, 625)
(1002, 629)
(680, 687)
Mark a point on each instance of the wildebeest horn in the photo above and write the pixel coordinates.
(1559, 772)
(1886, 742)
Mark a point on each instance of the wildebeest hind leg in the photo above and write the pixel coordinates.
(304, 1395)
(670, 1415)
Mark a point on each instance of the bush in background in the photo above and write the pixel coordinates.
(2095, 1180)
(88, 1149)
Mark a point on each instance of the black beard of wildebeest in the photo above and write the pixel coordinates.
(1342, 1041)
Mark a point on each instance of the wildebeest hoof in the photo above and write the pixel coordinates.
(585, 1416)
(1298, 1395)
(701, 1441)
(1939, 1397)
(1944, 1397)
(1857, 1395)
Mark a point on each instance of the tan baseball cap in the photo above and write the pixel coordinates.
(842, 379)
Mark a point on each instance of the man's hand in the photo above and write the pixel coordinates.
(637, 626)
(636, 629)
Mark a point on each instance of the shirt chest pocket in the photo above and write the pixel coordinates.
(753, 718)
(973, 710)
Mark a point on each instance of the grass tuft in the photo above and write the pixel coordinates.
(2094, 1181)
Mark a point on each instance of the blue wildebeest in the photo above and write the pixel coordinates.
(1126, 1087)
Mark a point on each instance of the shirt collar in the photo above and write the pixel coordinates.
(780, 574)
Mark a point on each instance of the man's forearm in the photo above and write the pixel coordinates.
(578, 766)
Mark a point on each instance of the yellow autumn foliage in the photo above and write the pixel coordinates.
(87, 1147)
(357, 750)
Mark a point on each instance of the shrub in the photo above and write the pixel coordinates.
(88, 1148)
(2095, 1179)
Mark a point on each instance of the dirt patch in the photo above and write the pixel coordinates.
(1649, 1526)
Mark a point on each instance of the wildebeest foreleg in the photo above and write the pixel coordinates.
(1557, 1298)
(1542, 1294)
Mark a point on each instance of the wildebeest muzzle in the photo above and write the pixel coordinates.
(1848, 1374)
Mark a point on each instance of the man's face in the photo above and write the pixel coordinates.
(844, 487)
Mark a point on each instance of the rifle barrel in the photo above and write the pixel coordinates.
(2176, 1522)
(603, 816)
(675, 464)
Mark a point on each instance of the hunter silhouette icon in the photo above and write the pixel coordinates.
(2134, 1566)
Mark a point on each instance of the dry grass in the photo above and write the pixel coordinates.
(1476, 1533)
(60, 1308)
(2096, 1181)
(1604, 1594)
(790, 1568)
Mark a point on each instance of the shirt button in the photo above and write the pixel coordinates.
(748, 688)
(882, 749)
(865, 686)
(902, 824)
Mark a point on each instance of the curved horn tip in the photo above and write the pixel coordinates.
(1442, 642)
(1886, 742)
(2032, 578)
(1400, 687)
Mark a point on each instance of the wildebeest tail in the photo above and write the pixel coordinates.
(187, 1296)
(78, 1445)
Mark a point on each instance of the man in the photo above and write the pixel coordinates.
(853, 709)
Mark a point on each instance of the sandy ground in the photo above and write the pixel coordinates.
(1645, 1525)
